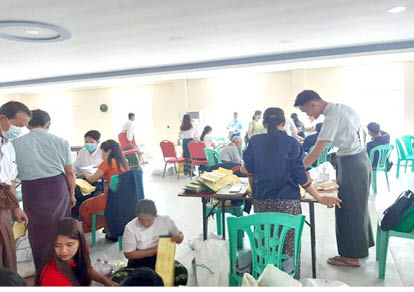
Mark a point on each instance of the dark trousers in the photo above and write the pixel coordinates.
(81, 198)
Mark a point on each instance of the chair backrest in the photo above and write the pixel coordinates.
(168, 149)
(408, 142)
(196, 149)
(124, 141)
(400, 149)
(324, 155)
(384, 152)
(267, 233)
(213, 157)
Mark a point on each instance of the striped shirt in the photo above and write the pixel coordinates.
(41, 155)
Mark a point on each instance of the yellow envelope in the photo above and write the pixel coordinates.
(19, 229)
(164, 265)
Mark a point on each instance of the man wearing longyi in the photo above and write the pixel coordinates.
(341, 127)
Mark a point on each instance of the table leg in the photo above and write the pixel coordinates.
(312, 233)
(205, 222)
(223, 219)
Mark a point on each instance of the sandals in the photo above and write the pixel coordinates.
(339, 261)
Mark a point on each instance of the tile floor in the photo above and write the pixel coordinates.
(186, 212)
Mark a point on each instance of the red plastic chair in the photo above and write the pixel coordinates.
(168, 151)
(198, 157)
(123, 141)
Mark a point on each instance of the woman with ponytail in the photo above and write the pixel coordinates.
(70, 264)
(206, 138)
(274, 162)
(114, 163)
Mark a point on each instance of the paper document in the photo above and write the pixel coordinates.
(19, 229)
(165, 260)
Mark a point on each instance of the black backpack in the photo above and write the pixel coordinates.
(394, 212)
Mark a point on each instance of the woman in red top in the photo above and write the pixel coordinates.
(70, 264)
(114, 163)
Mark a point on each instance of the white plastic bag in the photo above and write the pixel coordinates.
(212, 263)
(25, 264)
(271, 277)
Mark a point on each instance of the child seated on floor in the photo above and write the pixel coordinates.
(140, 238)
(70, 264)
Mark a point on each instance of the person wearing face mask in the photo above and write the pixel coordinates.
(13, 116)
(113, 163)
(45, 166)
(89, 156)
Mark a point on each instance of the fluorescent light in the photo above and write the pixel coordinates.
(31, 31)
(397, 9)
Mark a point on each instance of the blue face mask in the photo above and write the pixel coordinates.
(12, 133)
(90, 147)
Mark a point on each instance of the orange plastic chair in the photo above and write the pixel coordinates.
(168, 151)
(198, 157)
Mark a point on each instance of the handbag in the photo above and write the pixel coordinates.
(394, 213)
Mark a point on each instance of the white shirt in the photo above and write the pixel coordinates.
(208, 140)
(8, 166)
(85, 158)
(290, 127)
(341, 127)
(189, 134)
(138, 237)
(129, 128)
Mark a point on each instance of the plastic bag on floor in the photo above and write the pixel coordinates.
(271, 277)
(211, 265)
(309, 282)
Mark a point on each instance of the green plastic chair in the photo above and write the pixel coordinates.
(382, 246)
(384, 152)
(324, 155)
(402, 156)
(266, 244)
(408, 143)
(112, 186)
(213, 157)
(235, 210)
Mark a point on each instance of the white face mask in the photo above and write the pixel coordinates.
(12, 133)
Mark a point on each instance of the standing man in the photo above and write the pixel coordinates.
(45, 166)
(234, 126)
(129, 127)
(341, 127)
(13, 116)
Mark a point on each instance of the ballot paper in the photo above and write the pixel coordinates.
(164, 265)
(19, 229)
(91, 169)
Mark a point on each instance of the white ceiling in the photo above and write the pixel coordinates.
(110, 35)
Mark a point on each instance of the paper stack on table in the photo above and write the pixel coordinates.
(218, 179)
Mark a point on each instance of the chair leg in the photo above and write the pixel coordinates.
(406, 164)
(374, 181)
(120, 243)
(388, 184)
(165, 167)
(176, 171)
(383, 248)
(93, 230)
(398, 168)
(218, 221)
(377, 242)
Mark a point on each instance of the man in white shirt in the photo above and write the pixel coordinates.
(341, 127)
(291, 129)
(13, 116)
(91, 154)
(129, 127)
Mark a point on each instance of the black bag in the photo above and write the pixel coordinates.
(394, 212)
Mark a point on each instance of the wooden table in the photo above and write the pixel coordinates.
(206, 196)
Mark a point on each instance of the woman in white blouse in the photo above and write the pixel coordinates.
(188, 132)
(207, 138)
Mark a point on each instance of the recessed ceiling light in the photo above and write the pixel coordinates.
(31, 31)
(176, 38)
(397, 9)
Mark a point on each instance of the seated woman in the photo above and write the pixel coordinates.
(90, 155)
(114, 163)
(274, 162)
(207, 138)
(140, 238)
(70, 264)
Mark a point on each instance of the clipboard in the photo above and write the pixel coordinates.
(164, 265)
